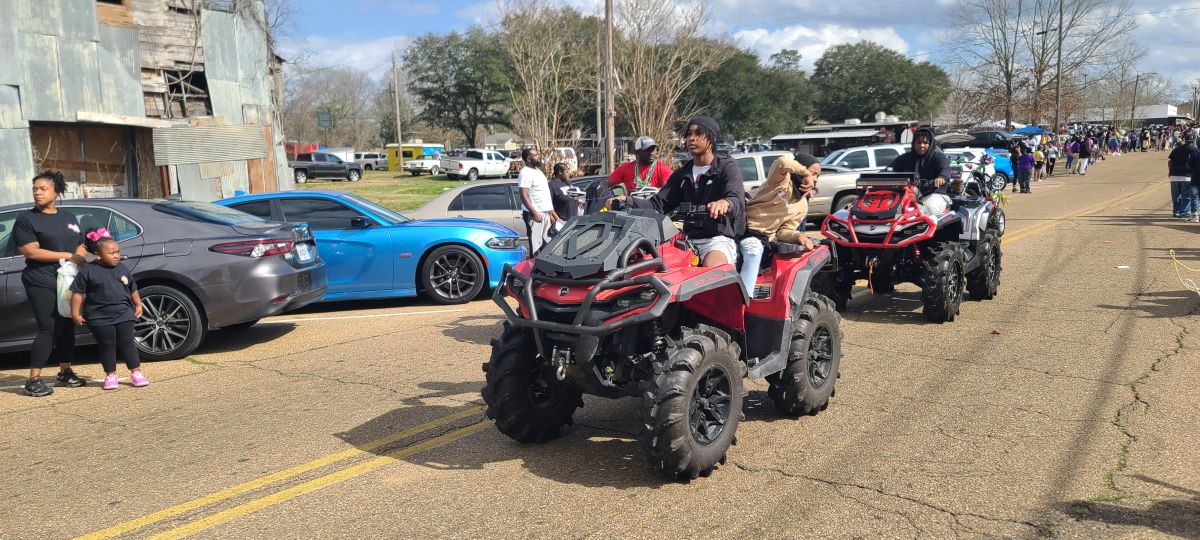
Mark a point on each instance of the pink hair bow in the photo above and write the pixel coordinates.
(98, 234)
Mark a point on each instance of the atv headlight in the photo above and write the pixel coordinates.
(839, 229)
(502, 243)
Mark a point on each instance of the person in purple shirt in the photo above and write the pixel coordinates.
(1025, 161)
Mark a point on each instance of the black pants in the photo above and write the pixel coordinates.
(1050, 166)
(56, 335)
(112, 339)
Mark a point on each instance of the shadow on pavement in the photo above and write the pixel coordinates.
(897, 307)
(1178, 517)
(1184, 255)
(1162, 305)
(233, 340)
(1142, 220)
(599, 450)
(475, 329)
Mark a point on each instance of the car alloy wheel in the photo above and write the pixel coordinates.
(164, 325)
(453, 275)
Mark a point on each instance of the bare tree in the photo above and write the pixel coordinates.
(350, 95)
(1015, 45)
(660, 52)
(994, 27)
(552, 52)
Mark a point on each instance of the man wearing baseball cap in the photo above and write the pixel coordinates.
(707, 179)
(643, 172)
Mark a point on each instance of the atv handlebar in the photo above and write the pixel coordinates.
(689, 212)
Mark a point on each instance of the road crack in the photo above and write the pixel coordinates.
(958, 526)
(1137, 404)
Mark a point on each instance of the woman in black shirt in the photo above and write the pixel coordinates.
(44, 235)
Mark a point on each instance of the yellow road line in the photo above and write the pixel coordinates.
(257, 483)
(1023, 233)
(318, 483)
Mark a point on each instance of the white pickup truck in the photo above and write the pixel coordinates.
(476, 164)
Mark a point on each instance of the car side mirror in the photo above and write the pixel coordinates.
(360, 223)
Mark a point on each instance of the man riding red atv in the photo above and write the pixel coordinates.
(615, 306)
(943, 242)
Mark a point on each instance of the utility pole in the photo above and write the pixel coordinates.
(610, 131)
(396, 103)
(1133, 106)
(1058, 81)
(600, 104)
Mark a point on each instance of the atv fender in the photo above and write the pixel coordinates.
(781, 330)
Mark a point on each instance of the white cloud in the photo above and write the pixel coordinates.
(813, 42)
(371, 55)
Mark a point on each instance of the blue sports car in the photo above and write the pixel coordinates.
(372, 252)
(1004, 168)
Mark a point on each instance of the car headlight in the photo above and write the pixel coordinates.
(503, 243)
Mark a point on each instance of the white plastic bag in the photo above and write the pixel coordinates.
(67, 271)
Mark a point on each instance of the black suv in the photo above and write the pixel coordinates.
(985, 139)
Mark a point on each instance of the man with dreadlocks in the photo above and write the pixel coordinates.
(707, 179)
(928, 161)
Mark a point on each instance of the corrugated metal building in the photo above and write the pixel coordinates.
(138, 98)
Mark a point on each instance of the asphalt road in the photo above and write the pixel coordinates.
(1066, 407)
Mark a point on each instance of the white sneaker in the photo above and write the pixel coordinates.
(1195, 218)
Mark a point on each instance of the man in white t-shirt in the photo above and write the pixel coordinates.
(537, 207)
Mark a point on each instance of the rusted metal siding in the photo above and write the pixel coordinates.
(10, 108)
(120, 67)
(202, 144)
(10, 68)
(16, 166)
(79, 19)
(79, 76)
(41, 91)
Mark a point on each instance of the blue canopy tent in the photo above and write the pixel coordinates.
(1031, 130)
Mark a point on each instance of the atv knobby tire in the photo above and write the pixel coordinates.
(528, 403)
(942, 286)
(700, 382)
(984, 282)
(806, 384)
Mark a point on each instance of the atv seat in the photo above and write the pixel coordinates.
(966, 201)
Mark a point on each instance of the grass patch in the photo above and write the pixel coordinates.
(200, 362)
(399, 192)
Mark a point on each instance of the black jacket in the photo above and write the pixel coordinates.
(1177, 161)
(722, 181)
(1194, 163)
(934, 164)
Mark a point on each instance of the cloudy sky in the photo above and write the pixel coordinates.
(362, 32)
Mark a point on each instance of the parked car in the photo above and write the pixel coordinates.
(371, 161)
(861, 159)
(755, 166)
(373, 252)
(475, 164)
(1003, 165)
(198, 266)
(983, 139)
(423, 165)
(322, 165)
(497, 201)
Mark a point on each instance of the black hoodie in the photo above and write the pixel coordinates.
(934, 164)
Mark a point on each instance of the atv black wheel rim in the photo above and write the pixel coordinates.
(820, 356)
(543, 391)
(454, 275)
(954, 286)
(164, 324)
(711, 404)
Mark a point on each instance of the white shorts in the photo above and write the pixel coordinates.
(721, 244)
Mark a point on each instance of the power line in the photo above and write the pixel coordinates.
(360, 60)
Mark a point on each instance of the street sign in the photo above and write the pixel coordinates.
(325, 119)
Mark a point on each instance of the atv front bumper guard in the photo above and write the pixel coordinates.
(616, 279)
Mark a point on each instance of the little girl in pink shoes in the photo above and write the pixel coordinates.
(105, 298)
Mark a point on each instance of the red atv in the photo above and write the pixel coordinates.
(888, 237)
(615, 305)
